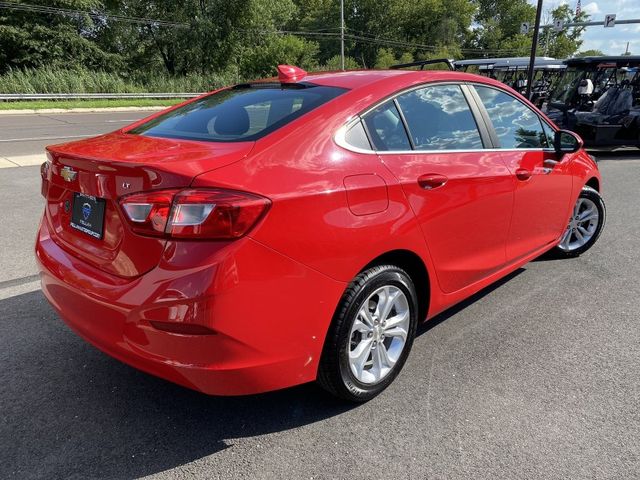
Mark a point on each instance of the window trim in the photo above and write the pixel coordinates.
(485, 126)
(405, 124)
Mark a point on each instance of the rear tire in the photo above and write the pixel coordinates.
(585, 225)
(371, 334)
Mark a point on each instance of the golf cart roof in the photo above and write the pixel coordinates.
(506, 61)
(613, 60)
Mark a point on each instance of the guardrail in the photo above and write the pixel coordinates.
(80, 96)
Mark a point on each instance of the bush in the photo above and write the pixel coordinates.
(334, 64)
(261, 60)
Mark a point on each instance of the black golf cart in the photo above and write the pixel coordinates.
(599, 98)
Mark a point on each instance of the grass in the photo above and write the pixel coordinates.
(100, 103)
(78, 80)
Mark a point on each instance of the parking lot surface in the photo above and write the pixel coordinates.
(24, 134)
(535, 377)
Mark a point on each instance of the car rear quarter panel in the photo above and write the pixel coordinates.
(303, 172)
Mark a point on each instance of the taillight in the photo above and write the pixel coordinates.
(44, 174)
(194, 214)
(148, 212)
(215, 213)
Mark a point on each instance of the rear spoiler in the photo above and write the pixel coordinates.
(422, 63)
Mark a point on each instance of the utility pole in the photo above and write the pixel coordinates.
(534, 46)
(342, 34)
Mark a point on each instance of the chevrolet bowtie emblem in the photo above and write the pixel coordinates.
(68, 173)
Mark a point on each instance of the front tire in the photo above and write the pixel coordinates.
(585, 225)
(371, 334)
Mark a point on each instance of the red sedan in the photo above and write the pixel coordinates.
(299, 228)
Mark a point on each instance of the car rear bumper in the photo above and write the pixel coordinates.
(249, 295)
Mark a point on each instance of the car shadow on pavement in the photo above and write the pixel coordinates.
(441, 317)
(68, 410)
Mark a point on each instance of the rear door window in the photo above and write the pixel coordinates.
(386, 129)
(357, 137)
(241, 113)
(439, 118)
(516, 125)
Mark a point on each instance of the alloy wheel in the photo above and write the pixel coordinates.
(379, 334)
(582, 225)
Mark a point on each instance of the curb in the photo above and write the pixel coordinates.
(31, 111)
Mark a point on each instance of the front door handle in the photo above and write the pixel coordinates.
(523, 174)
(430, 181)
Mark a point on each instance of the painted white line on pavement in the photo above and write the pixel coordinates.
(22, 160)
(32, 111)
(16, 290)
(28, 160)
(6, 163)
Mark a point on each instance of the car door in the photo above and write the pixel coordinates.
(543, 181)
(460, 192)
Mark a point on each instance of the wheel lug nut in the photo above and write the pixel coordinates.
(370, 334)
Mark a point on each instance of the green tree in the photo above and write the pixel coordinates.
(498, 30)
(213, 35)
(33, 39)
(334, 63)
(386, 58)
(590, 53)
(262, 59)
(370, 24)
(565, 43)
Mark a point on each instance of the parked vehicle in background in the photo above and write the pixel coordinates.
(513, 72)
(599, 98)
(547, 72)
(299, 228)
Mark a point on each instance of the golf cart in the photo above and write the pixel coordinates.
(599, 98)
(513, 72)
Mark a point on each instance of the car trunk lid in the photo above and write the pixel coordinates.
(97, 172)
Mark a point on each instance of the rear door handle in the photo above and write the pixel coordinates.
(430, 181)
(523, 174)
(549, 163)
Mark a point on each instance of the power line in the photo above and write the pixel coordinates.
(357, 36)
(93, 14)
(434, 47)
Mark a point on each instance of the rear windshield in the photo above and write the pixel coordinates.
(241, 113)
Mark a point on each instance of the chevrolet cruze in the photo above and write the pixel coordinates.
(300, 228)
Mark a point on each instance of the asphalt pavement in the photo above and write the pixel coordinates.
(537, 377)
(27, 134)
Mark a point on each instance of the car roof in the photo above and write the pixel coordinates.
(355, 79)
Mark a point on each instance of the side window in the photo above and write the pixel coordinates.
(357, 137)
(386, 129)
(549, 132)
(516, 125)
(439, 118)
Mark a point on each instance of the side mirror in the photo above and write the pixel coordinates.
(566, 141)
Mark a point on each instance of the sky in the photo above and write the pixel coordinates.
(612, 41)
